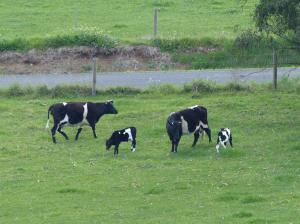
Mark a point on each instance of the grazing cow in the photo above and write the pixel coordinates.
(224, 136)
(124, 135)
(187, 121)
(79, 114)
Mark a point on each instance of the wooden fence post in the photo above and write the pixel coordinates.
(275, 64)
(94, 77)
(155, 23)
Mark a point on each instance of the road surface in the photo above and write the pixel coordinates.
(144, 79)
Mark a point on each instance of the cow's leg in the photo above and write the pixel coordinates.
(196, 137)
(93, 126)
(53, 131)
(208, 132)
(176, 144)
(116, 151)
(78, 132)
(230, 140)
(223, 144)
(173, 147)
(62, 133)
(133, 144)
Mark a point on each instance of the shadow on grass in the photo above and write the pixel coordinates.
(252, 199)
(242, 215)
(70, 190)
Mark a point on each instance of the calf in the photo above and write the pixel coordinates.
(124, 135)
(192, 120)
(224, 136)
(79, 114)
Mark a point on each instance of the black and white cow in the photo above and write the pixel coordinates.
(79, 114)
(224, 136)
(192, 120)
(124, 135)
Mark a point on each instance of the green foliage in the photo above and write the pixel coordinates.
(90, 37)
(172, 45)
(250, 39)
(277, 16)
(201, 86)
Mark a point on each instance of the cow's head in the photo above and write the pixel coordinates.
(108, 143)
(175, 128)
(109, 107)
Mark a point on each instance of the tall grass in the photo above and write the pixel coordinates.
(196, 88)
(90, 37)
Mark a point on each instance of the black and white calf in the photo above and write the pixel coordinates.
(124, 135)
(79, 114)
(192, 120)
(224, 136)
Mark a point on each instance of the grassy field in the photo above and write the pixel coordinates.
(80, 182)
(126, 20)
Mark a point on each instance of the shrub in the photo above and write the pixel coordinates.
(200, 86)
(122, 90)
(236, 86)
(162, 89)
(251, 39)
(172, 45)
(15, 90)
(90, 37)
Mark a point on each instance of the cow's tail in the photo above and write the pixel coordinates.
(47, 124)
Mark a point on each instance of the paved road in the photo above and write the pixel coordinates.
(143, 79)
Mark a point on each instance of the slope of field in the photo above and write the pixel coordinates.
(80, 182)
(127, 20)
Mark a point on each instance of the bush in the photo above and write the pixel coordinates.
(200, 86)
(162, 89)
(236, 86)
(80, 37)
(15, 90)
(122, 90)
(14, 45)
(172, 45)
(252, 39)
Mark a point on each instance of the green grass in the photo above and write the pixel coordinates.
(126, 20)
(80, 182)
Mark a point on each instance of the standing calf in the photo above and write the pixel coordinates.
(192, 120)
(224, 136)
(124, 135)
(78, 114)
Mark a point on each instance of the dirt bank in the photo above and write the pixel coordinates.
(78, 59)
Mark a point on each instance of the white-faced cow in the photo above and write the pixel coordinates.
(78, 114)
(192, 120)
(124, 135)
(224, 136)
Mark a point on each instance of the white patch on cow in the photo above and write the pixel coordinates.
(184, 126)
(226, 134)
(128, 131)
(85, 112)
(64, 103)
(47, 125)
(193, 107)
(203, 125)
(217, 148)
(65, 120)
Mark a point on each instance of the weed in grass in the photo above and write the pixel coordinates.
(242, 215)
(70, 190)
(252, 199)
(260, 221)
